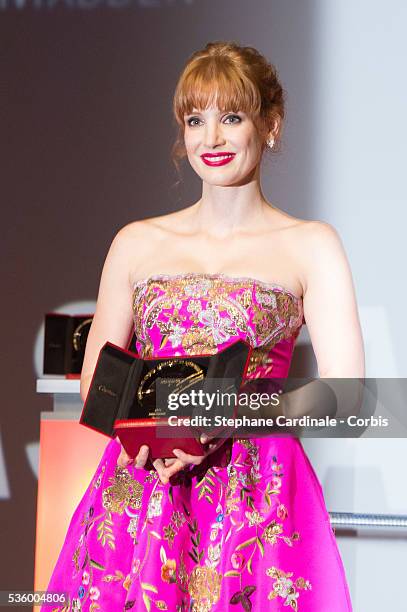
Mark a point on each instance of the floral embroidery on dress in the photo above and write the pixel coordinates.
(219, 308)
(221, 328)
(154, 505)
(124, 491)
(132, 527)
(286, 588)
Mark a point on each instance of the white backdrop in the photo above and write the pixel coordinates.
(358, 129)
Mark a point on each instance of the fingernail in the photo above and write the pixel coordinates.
(176, 451)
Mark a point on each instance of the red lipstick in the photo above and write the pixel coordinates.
(217, 159)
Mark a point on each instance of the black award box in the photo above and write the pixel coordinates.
(128, 395)
(65, 338)
(64, 342)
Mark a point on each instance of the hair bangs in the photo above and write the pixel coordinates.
(214, 83)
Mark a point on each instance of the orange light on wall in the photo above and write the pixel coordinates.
(69, 456)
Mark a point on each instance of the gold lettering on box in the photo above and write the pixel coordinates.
(104, 389)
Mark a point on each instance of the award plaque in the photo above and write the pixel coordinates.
(128, 395)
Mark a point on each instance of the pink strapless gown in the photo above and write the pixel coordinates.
(254, 535)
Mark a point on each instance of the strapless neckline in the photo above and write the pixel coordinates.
(214, 276)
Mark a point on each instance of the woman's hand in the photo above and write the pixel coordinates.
(172, 465)
(140, 461)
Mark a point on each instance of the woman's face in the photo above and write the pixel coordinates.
(224, 148)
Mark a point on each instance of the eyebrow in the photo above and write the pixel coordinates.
(197, 112)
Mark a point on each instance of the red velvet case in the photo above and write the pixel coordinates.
(133, 433)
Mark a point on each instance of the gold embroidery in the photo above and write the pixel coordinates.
(177, 519)
(204, 587)
(198, 341)
(232, 478)
(274, 530)
(105, 531)
(245, 298)
(260, 356)
(75, 558)
(169, 534)
(254, 518)
(123, 492)
(260, 313)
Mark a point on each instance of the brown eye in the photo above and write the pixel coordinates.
(234, 117)
(190, 121)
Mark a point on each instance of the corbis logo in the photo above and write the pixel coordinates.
(20, 5)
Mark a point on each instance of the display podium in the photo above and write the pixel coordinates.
(69, 455)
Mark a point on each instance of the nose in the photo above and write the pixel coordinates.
(213, 134)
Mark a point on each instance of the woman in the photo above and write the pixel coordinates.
(254, 534)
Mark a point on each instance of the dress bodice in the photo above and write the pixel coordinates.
(198, 313)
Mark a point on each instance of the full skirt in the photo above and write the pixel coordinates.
(253, 535)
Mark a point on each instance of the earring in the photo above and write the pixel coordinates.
(270, 142)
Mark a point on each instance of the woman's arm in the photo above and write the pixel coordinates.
(330, 307)
(332, 319)
(113, 319)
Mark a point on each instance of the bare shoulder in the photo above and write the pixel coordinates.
(320, 230)
(303, 235)
(305, 229)
(308, 245)
(141, 232)
(318, 238)
(320, 255)
(140, 241)
(288, 226)
(126, 240)
(150, 228)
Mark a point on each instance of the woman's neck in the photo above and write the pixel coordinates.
(222, 211)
